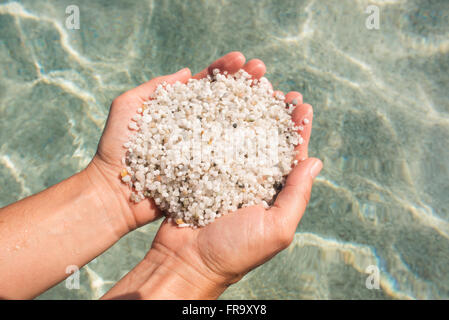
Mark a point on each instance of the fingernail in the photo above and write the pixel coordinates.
(295, 101)
(316, 168)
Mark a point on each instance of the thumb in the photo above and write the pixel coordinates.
(291, 202)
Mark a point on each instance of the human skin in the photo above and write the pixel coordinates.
(77, 219)
(186, 263)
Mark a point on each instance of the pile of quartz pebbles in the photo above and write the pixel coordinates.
(162, 160)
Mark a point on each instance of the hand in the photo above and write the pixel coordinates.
(106, 166)
(225, 250)
(202, 263)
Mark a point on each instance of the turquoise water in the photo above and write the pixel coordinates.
(381, 125)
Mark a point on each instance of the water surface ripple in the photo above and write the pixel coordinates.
(381, 124)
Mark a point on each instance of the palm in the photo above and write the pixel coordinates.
(111, 151)
(221, 247)
(108, 159)
(246, 238)
(226, 249)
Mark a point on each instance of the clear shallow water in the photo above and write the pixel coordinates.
(381, 124)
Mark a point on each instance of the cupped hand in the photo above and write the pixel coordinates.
(223, 251)
(104, 170)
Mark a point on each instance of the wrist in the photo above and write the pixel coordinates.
(161, 277)
(110, 199)
(174, 279)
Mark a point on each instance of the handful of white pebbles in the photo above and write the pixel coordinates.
(211, 146)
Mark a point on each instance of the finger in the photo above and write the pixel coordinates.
(278, 93)
(301, 112)
(231, 62)
(291, 202)
(144, 91)
(303, 116)
(256, 68)
(293, 97)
